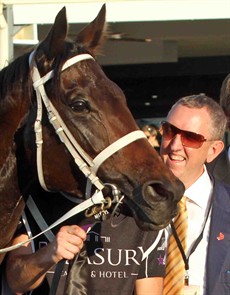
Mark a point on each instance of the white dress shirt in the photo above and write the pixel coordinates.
(198, 200)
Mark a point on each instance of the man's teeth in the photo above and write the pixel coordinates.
(176, 157)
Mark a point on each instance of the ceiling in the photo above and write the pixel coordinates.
(169, 41)
(177, 29)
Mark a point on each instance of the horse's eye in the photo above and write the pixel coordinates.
(80, 106)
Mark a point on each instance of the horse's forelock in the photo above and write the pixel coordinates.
(70, 50)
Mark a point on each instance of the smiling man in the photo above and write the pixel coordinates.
(191, 136)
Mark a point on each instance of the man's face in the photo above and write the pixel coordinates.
(185, 162)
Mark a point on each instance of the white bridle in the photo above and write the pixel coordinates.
(84, 162)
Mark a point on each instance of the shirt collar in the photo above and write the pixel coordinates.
(200, 191)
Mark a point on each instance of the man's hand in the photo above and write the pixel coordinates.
(69, 241)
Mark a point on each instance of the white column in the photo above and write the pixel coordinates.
(4, 40)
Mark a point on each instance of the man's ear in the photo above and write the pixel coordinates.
(214, 150)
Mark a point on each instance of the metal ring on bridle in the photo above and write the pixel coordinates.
(89, 212)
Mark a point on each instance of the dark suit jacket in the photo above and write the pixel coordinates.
(218, 255)
(220, 167)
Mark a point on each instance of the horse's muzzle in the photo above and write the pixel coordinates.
(154, 204)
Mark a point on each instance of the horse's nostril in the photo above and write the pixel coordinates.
(156, 191)
(161, 191)
(153, 191)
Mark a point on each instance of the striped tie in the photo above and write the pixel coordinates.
(175, 267)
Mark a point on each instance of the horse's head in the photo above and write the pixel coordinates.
(94, 110)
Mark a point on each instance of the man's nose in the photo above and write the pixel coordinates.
(176, 142)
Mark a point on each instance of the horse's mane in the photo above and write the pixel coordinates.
(17, 72)
(17, 75)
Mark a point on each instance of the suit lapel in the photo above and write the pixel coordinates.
(219, 240)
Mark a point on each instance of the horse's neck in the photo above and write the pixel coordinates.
(10, 198)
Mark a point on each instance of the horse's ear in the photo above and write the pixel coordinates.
(53, 44)
(93, 35)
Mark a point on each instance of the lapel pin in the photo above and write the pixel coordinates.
(220, 237)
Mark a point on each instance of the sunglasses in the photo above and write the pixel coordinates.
(188, 138)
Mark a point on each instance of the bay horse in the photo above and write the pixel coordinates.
(63, 77)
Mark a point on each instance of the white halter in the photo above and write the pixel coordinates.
(88, 166)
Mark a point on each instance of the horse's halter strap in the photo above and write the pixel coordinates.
(110, 150)
(88, 166)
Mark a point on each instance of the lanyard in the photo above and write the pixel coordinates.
(195, 244)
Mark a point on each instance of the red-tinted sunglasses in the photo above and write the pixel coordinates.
(188, 138)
